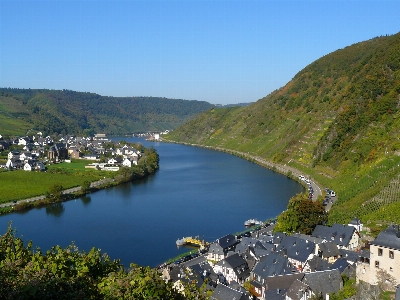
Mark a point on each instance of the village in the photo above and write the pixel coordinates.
(275, 266)
(33, 153)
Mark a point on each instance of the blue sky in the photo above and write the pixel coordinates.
(217, 51)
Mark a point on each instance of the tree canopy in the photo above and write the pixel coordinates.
(69, 273)
(302, 215)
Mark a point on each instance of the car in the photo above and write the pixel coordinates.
(301, 177)
(324, 203)
(177, 262)
(308, 181)
(332, 193)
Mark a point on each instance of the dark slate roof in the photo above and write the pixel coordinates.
(310, 238)
(389, 238)
(365, 253)
(232, 261)
(341, 264)
(273, 264)
(197, 260)
(227, 241)
(278, 294)
(340, 234)
(350, 256)
(277, 238)
(245, 243)
(318, 264)
(326, 282)
(329, 249)
(223, 292)
(282, 281)
(296, 248)
(297, 289)
(237, 287)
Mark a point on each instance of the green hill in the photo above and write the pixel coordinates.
(74, 112)
(336, 120)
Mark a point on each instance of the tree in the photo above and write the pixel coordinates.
(56, 191)
(85, 187)
(302, 215)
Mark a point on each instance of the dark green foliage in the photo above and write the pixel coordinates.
(56, 191)
(68, 273)
(75, 112)
(302, 215)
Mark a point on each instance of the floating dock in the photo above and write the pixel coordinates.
(192, 241)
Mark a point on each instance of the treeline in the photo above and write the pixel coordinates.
(69, 273)
(148, 164)
(65, 111)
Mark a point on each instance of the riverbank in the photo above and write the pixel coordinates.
(126, 174)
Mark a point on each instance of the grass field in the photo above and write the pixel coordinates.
(16, 185)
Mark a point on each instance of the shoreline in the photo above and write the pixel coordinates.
(68, 194)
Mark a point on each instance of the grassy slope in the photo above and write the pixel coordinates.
(13, 117)
(337, 120)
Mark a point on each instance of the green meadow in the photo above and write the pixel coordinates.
(19, 184)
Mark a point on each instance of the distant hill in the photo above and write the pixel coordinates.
(73, 112)
(337, 120)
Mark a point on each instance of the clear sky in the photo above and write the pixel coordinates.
(217, 51)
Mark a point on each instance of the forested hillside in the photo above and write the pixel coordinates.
(75, 112)
(337, 120)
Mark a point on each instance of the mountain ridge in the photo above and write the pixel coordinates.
(66, 111)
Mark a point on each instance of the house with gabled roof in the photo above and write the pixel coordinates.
(13, 154)
(329, 251)
(344, 267)
(297, 250)
(276, 287)
(234, 268)
(14, 163)
(298, 291)
(317, 264)
(271, 265)
(324, 282)
(346, 237)
(219, 249)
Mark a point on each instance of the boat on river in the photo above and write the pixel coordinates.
(252, 222)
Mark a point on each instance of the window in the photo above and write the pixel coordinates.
(380, 251)
(376, 264)
(391, 254)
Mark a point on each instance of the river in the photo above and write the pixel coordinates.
(196, 191)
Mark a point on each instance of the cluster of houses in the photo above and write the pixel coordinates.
(296, 267)
(33, 153)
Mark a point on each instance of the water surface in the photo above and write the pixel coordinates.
(196, 191)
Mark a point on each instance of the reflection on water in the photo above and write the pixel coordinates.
(86, 199)
(55, 209)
